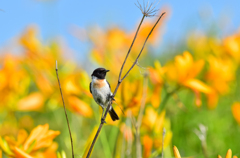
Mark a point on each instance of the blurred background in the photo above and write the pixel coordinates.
(186, 82)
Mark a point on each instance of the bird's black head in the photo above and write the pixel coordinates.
(100, 73)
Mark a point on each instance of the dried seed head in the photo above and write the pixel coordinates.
(149, 9)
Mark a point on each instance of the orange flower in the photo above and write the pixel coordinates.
(236, 111)
(184, 70)
(176, 152)
(127, 132)
(220, 74)
(19, 153)
(130, 95)
(147, 146)
(79, 106)
(152, 121)
(29, 39)
(232, 46)
(32, 102)
(153, 124)
(157, 78)
(30, 146)
(229, 154)
(14, 80)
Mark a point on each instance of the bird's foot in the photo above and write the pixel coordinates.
(112, 97)
(103, 121)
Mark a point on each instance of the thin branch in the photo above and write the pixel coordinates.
(65, 110)
(142, 47)
(148, 11)
(120, 74)
(120, 80)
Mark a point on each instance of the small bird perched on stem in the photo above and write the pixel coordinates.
(101, 91)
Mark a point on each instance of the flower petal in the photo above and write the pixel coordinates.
(32, 102)
(20, 153)
(236, 111)
(147, 146)
(176, 152)
(80, 106)
(229, 154)
(198, 85)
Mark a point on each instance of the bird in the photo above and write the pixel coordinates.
(101, 92)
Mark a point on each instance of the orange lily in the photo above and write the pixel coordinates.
(176, 152)
(220, 73)
(157, 78)
(232, 46)
(236, 111)
(30, 146)
(184, 70)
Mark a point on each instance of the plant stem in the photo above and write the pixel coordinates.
(69, 130)
(120, 81)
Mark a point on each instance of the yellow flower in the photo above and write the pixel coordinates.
(153, 124)
(29, 39)
(39, 142)
(156, 75)
(184, 70)
(79, 106)
(236, 111)
(152, 120)
(32, 102)
(147, 146)
(229, 154)
(19, 153)
(176, 152)
(130, 96)
(232, 46)
(12, 84)
(220, 73)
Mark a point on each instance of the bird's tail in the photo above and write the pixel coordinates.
(113, 114)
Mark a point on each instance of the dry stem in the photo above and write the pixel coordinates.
(65, 111)
(121, 79)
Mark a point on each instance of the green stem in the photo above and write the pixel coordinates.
(164, 102)
(167, 96)
(105, 144)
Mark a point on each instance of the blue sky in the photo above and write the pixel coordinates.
(55, 17)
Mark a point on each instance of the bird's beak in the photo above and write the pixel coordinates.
(107, 70)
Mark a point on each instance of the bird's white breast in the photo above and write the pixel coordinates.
(100, 90)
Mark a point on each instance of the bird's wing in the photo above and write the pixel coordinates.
(109, 85)
(90, 87)
(110, 90)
